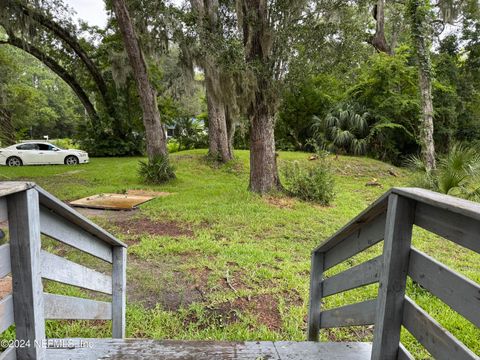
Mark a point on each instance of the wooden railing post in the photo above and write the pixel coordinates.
(25, 246)
(314, 308)
(119, 284)
(391, 292)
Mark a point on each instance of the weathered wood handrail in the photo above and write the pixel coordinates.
(391, 219)
(30, 212)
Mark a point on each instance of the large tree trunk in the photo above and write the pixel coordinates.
(263, 163)
(155, 134)
(59, 70)
(417, 12)
(258, 51)
(208, 28)
(218, 147)
(378, 41)
(426, 125)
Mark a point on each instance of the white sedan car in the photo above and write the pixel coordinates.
(40, 153)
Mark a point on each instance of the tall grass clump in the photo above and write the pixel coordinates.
(156, 171)
(311, 182)
(457, 173)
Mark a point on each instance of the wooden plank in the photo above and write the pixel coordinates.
(73, 308)
(12, 187)
(5, 265)
(67, 232)
(9, 354)
(403, 353)
(6, 313)
(57, 206)
(119, 276)
(364, 237)
(360, 275)
(363, 313)
(25, 244)
(438, 341)
(322, 351)
(165, 350)
(372, 212)
(455, 227)
(314, 307)
(391, 291)
(458, 292)
(62, 270)
(142, 349)
(451, 203)
(3, 209)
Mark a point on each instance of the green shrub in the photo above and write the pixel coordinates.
(310, 182)
(173, 146)
(457, 173)
(190, 133)
(156, 171)
(65, 143)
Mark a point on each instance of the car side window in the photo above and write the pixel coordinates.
(45, 147)
(27, 147)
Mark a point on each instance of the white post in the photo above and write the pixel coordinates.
(25, 245)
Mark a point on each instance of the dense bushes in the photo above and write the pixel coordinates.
(375, 108)
(311, 182)
(156, 171)
(302, 102)
(103, 142)
(190, 133)
(65, 143)
(457, 173)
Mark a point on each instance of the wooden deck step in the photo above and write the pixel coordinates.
(115, 349)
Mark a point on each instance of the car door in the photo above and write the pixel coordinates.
(46, 154)
(58, 155)
(28, 153)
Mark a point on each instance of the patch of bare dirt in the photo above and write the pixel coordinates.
(280, 202)
(263, 307)
(5, 286)
(233, 280)
(129, 223)
(136, 227)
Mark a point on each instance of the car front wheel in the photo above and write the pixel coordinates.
(71, 160)
(14, 161)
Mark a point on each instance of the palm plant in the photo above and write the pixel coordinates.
(458, 173)
(344, 129)
(190, 133)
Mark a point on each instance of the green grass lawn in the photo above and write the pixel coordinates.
(213, 261)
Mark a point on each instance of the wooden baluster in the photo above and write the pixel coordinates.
(391, 292)
(25, 245)
(119, 282)
(314, 309)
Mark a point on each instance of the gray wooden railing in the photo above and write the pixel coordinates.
(30, 212)
(391, 219)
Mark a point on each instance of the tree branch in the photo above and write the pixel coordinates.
(57, 69)
(69, 39)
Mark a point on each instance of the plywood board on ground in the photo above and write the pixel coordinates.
(112, 201)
